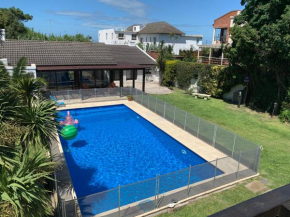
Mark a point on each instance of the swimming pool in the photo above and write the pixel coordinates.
(116, 146)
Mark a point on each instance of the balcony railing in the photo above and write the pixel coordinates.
(221, 39)
(213, 60)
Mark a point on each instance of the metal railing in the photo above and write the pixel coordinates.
(242, 161)
(213, 60)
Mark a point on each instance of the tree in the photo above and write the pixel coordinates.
(261, 49)
(161, 61)
(12, 20)
(22, 188)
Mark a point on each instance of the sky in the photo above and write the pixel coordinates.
(88, 16)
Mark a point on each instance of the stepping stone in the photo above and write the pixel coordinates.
(256, 186)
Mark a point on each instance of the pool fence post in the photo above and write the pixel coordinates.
(189, 173)
(135, 92)
(164, 109)
(68, 95)
(155, 104)
(75, 203)
(156, 180)
(158, 188)
(234, 145)
(216, 162)
(185, 121)
(95, 92)
(142, 99)
(121, 92)
(257, 159)
(63, 208)
(148, 101)
(238, 165)
(214, 136)
(198, 128)
(174, 115)
(119, 213)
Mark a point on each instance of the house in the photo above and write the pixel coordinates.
(151, 34)
(77, 65)
(221, 35)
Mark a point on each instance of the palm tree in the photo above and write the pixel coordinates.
(21, 186)
(19, 69)
(161, 61)
(27, 88)
(40, 119)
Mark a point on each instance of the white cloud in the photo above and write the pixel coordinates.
(133, 7)
(72, 13)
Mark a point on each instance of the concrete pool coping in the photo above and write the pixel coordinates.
(204, 150)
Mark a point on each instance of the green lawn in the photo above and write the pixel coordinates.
(259, 128)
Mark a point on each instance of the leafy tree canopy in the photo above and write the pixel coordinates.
(13, 19)
(261, 48)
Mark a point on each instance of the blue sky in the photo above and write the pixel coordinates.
(89, 16)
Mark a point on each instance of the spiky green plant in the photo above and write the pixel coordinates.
(22, 185)
(27, 88)
(40, 119)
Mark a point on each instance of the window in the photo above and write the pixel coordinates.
(106, 36)
(154, 39)
(134, 36)
(150, 39)
(141, 40)
(121, 36)
(135, 28)
(146, 39)
(88, 79)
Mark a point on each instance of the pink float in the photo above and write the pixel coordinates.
(69, 120)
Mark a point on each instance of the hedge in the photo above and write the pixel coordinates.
(212, 79)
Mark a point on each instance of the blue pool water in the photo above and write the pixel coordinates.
(116, 146)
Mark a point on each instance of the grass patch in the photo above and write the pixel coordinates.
(259, 128)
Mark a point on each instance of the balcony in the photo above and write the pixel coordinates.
(221, 39)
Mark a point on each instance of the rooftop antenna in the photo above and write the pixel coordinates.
(49, 26)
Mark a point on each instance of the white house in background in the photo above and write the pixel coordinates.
(149, 34)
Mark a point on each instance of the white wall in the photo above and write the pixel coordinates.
(29, 69)
(110, 36)
(179, 42)
(229, 95)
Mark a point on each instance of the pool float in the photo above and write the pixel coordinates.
(69, 132)
(69, 120)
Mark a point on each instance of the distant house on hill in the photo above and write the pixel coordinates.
(151, 34)
(221, 35)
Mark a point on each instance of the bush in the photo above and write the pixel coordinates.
(215, 80)
(285, 109)
(170, 73)
(185, 72)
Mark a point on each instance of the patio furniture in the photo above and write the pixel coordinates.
(58, 102)
(201, 95)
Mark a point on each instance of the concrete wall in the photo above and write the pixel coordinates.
(29, 69)
(229, 95)
(110, 36)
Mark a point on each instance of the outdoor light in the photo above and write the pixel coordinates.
(274, 109)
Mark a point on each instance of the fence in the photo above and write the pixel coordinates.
(137, 198)
(88, 95)
(213, 60)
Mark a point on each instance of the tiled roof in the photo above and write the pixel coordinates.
(56, 53)
(130, 28)
(124, 54)
(160, 28)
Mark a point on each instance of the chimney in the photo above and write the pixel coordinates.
(2, 34)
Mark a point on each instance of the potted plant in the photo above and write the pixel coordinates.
(130, 98)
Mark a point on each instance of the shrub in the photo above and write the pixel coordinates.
(285, 109)
(185, 72)
(215, 80)
(170, 73)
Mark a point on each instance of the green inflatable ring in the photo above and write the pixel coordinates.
(69, 132)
